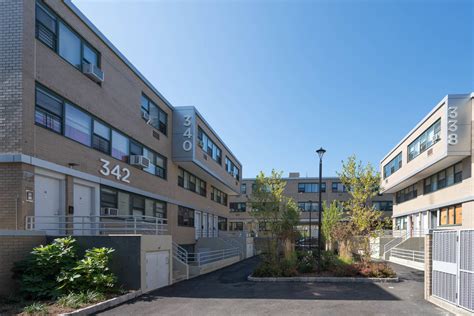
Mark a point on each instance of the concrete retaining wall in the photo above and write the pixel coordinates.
(209, 267)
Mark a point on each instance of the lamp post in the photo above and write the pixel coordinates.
(310, 233)
(320, 153)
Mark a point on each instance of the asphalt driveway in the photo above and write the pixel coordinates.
(227, 292)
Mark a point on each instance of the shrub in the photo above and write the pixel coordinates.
(289, 266)
(37, 274)
(306, 262)
(73, 300)
(35, 309)
(90, 273)
(377, 270)
(267, 269)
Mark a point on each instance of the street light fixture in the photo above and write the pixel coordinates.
(320, 153)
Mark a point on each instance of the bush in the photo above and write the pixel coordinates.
(73, 300)
(35, 309)
(37, 274)
(53, 270)
(377, 270)
(306, 262)
(90, 273)
(267, 269)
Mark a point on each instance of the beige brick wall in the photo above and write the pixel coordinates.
(15, 180)
(12, 249)
(428, 264)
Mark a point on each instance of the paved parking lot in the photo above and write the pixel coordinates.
(227, 292)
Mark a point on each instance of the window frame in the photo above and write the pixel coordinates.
(391, 164)
(425, 134)
(160, 112)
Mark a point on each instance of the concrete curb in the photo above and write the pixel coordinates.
(104, 305)
(325, 279)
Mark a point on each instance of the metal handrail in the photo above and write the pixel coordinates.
(97, 224)
(179, 253)
(205, 257)
(413, 255)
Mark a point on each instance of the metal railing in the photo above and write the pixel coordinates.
(179, 253)
(97, 224)
(407, 254)
(205, 257)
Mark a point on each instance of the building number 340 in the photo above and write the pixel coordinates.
(188, 135)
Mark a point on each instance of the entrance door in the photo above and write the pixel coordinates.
(48, 205)
(210, 225)
(157, 269)
(197, 224)
(204, 224)
(216, 226)
(83, 209)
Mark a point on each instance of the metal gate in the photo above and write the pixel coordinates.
(453, 267)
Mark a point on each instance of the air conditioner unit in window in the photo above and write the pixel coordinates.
(201, 143)
(93, 72)
(146, 116)
(109, 211)
(437, 138)
(140, 161)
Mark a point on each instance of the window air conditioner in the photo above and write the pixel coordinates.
(93, 72)
(437, 138)
(201, 143)
(146, 116)
(140, 161)
(109, 211)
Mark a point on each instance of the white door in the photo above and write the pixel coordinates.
(210, 225)
(249, 250)
(216, 226)
(157, 269)
(83, 209)
(48, 205)
(197, 224)
(204, 224)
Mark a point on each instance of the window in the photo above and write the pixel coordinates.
(311, 187)
(401, 223)
(406, 194)
(208, 146)
(49, 110)
(384, 206)
(78, 125)
(120, 147)
(185, 216)
(338, 187)
(236, 226)
(69, 46)
(101, 137)
(45, 26)
(392, 166)
(429, 137)
(135, 149)
(54, 33)
(231, 168)
(444, 178)
(238, 207)
(131, 204)
(108, 197)
(222, 223)
(192, 183)
(308, 206)
(451, 215)
(243, 188)
(156, 116)
(218, 196)
(138, 205)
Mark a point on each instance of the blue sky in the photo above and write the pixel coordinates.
(279, 79)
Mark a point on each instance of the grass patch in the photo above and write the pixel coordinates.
(35, 309)
(78, 300)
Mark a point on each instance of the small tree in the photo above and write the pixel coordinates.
(363, 183)
(279, 213)
(331, 216)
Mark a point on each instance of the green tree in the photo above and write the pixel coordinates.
(363, 183)
(332, 214)
(277, 212)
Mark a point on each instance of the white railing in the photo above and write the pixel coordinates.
(179, 253)
(97, 225)
(395, 242)
(236, 233)
(205, 257)
(407, 254)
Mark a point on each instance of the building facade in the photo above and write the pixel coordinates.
(305, 192)
(84, 134)
(429, 171)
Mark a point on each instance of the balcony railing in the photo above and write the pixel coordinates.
(200, 258)
(97, 225)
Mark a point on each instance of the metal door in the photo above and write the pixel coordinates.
(83, 206)
(197, 224)
(48, 205)
(204, 224)
(157, 269)
(216, 226)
